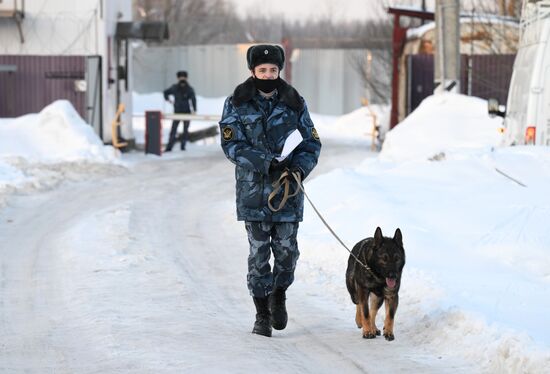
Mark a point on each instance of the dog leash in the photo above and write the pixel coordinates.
(284, 181)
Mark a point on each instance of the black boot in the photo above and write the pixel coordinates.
(279, 317)
(262, 326)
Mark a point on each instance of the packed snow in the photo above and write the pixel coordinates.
(38, 150)
(423, 134)
(144, 289)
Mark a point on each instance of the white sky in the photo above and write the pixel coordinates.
(338, 9)
(303, 9)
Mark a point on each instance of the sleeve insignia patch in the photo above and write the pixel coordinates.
(227, 133)
(314, 134)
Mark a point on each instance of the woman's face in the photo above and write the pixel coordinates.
(266, 71)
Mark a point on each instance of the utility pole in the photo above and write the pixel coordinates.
(423, 9)
(447, 47)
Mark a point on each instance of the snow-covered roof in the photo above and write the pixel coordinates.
(417, 32)
(411, 8)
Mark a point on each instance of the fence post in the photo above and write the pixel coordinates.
(153, 132)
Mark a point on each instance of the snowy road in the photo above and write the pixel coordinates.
(145, 272)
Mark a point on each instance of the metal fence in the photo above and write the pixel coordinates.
(214, 71)
(490, 76)
(325, 77)
(329, 81)
(35, 81)
(482, 76)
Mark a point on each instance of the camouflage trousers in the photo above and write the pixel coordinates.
(264, 237)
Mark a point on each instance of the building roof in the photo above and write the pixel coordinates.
(489, 19)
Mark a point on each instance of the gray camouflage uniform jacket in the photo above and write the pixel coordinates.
(253, 132)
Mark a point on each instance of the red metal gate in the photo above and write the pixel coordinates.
(36, 81)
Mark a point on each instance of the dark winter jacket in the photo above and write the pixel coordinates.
(183, 95)
(253, 132)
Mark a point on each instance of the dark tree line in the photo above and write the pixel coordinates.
(199, 22)
(194, 22)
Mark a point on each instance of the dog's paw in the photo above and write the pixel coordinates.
(369, 335)
(377, 332)
(389, 336)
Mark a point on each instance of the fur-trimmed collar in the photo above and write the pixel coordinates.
(245, 91)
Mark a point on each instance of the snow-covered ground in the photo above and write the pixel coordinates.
(41, 150)
(478, 266)
(141, 267)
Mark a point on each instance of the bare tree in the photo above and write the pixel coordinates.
(375, 66)
(497, 24)
(213, 21)
(192, 21)
(509, 8)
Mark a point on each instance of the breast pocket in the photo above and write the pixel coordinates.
(255, 134)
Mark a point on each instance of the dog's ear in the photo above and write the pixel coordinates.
(378, 237)
(398, 237)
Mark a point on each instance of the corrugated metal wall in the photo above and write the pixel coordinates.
(325, 77)
(328, 81)
(38, 81)
(214, 70)
(489, 78)
(491, 75)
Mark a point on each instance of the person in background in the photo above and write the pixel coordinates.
(184, 102)
(257, 119)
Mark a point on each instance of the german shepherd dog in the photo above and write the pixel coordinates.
(385, 259)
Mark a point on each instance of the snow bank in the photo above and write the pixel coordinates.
(38, 150)
(57, 133)
(10, 176)
(155, 101)
(476, 242)
(443, 123)
(355, 126)
(150, 101)
(476, 239)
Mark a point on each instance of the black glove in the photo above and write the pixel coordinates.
(277, 166)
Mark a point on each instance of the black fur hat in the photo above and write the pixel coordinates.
(265, 54)
(181, 74)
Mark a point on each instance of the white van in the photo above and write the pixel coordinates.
(527, 113)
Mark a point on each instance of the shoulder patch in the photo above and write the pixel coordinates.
(227, 133)
(314, 134)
